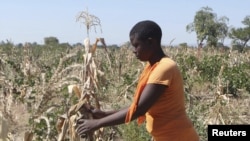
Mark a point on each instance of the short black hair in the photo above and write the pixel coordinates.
(146, 29)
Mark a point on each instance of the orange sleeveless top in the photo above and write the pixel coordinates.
(167, 118)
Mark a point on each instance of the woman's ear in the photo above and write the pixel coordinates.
(151, 41)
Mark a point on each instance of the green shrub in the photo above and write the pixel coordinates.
(209, 67)
(237, 77)
(135, 132)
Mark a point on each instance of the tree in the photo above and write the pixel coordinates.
(88, 20)
(51, 41)
(241, 36)
(208, 27)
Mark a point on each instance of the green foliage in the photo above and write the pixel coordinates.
(237, 77)
(241, 36)
(207, 27)
(186, 62)
(238, 46)
(51, 41)
(135, 132)
(7, 47)
(40, 127)
(183, 46)
(200, 127)
(234, 75)
(209, 67)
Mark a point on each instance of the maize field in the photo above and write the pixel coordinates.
(44, 89)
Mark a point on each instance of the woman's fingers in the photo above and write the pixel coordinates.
(80, 126)
(79, 121)
(81, 131)
(84, 126)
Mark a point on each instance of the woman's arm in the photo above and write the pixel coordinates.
(97, 114)
(148, 97)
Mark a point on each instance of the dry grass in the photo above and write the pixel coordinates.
(105, 81)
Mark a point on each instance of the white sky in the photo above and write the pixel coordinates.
(32, 20)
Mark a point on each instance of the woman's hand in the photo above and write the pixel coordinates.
(84, 126)
(97, 113)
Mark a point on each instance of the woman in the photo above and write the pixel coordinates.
(159, 96)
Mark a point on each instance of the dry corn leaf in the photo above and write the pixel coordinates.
(77, 91)
(28, 136)
(64, 130)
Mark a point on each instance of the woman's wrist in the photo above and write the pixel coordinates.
(107, 113)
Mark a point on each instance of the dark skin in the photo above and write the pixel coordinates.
(148, 50)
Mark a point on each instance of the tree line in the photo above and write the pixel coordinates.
(212, 30)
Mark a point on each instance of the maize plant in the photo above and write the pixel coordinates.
(85, 92)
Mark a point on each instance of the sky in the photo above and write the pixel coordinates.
(33, 20)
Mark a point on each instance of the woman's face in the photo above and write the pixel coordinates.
(142, 49)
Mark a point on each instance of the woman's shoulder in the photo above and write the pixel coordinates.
(167, 61)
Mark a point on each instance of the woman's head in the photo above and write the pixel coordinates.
(147, 29)
(145, 37)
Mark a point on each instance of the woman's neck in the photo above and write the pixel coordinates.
(156, 57)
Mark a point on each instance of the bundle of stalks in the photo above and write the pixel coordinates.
(85, 92)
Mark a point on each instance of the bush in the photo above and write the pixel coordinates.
(237, 77)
